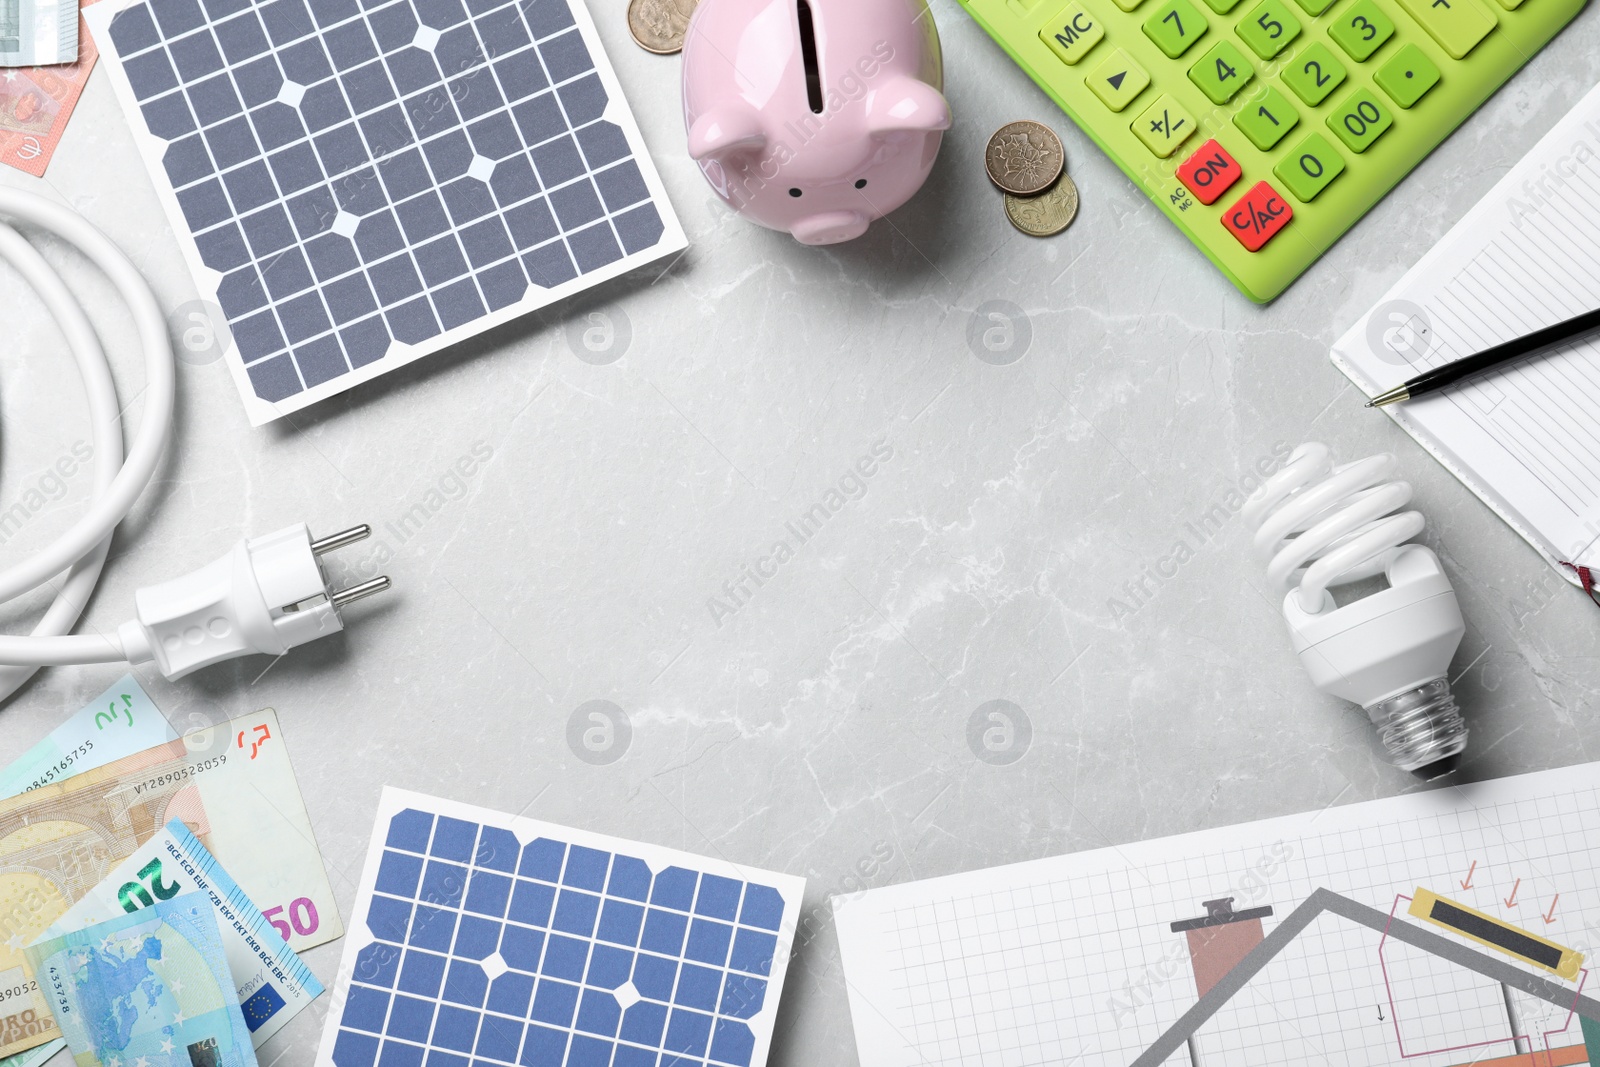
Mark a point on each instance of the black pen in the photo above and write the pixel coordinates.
(1451, 373)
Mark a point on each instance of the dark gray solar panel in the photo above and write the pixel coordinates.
(365, 173)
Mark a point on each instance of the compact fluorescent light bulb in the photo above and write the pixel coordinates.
(1327, 525)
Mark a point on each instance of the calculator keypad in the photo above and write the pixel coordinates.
(1313, 72)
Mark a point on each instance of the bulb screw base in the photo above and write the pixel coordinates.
(1422, 728)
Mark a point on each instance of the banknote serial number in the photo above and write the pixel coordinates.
(188, 770)
(61, 765)
(12, 992)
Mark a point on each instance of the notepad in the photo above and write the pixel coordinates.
(1526, 438)
(1443, 928)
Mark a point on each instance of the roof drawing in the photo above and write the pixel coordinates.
(1325, 900)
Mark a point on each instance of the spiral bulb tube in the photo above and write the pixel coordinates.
(1325, 525)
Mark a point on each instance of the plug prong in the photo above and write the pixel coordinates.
(334, 542)
(356, 592)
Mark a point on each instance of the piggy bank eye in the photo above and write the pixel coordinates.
(794, 192)
(861, 183)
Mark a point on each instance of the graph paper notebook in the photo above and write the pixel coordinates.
(1437, 929)
(1525, 438)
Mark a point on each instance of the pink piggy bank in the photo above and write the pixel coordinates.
(814, 116)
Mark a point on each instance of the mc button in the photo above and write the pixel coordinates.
(1210, 172)
(1257, 218)
(1072, 34)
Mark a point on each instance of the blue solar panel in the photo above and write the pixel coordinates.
(489, 949)
(359, 182)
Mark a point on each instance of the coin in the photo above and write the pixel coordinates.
(1024, 158)
(1048, 214)
(659, 26)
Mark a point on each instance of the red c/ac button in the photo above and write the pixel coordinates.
(1257, 218)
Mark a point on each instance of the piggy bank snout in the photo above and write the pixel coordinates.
(830, 227)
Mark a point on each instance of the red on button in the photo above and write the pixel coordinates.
(1210, 172)
(1258, 217)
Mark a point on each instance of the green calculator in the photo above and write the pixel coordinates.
(1266, 128)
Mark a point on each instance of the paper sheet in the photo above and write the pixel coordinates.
(1528, 255)
(1075, 959)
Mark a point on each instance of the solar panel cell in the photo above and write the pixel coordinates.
(134, 30)
(196, 55)
(594, 247)
(242, 38)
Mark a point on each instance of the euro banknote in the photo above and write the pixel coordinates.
(272, 982)
(149, 988)
(38, 32)
(35, 104)
(232, 785)
(117, 723)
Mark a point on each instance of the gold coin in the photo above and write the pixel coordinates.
(1024, 158)
(1048, 214)
(660, 26)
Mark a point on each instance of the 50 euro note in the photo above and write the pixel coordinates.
(233, 788)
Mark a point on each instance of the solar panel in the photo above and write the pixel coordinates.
(481, 939)
(357, 183)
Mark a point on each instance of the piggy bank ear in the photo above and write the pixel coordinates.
(723, 131)
(907, 105)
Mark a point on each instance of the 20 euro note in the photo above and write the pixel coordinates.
(271, 981)
(117, 723)
(147, 989)
(232, 785)
(37, 101)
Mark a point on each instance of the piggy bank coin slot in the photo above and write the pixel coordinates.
(808, 55)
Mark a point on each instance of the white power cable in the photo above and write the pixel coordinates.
(249, 604)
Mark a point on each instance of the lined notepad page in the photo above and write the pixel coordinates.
(1525, 439)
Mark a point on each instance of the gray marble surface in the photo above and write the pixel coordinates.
(824, 723)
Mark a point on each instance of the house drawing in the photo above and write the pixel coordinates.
(1253, 952)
